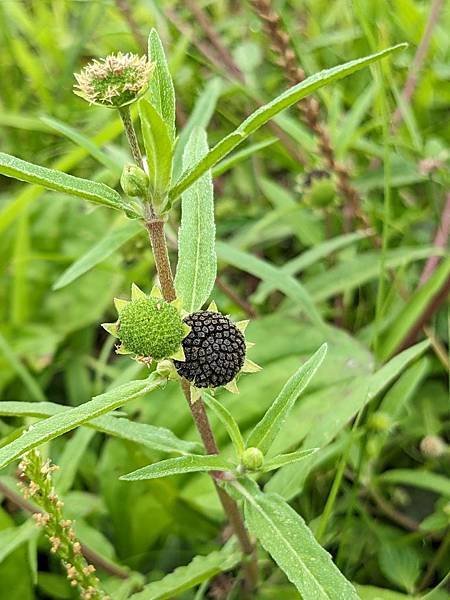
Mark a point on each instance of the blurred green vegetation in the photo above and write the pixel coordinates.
(389, 522)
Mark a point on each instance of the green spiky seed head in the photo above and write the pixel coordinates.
(134, 181)
(252, 459)
(150, 327)
(321, 193)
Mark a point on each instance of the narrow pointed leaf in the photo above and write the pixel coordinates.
(290, 542)
(286, 459)
(201, 568)
(274, 276)
(103, 249)
(161, 88)
(227, 420)
(61, 423)
(181, 464)
(270, 110)
(158, 147)
(98, 193)
(267, 429)
(197, 262)
(156, 438)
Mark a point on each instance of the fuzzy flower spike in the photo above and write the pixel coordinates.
(215, 352)
(114, 81)
(148, 327)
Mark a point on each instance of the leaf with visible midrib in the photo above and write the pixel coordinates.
(267, 429)
(161, 88)
(290, 542)
(184, 578)
(193, 463)
(61, 423)
(270, 110)
(197, 262)
(99, 193)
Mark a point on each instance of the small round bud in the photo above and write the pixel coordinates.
(433, 446)
(134, 181)
(214, 350)
(380, 421)
(252, 459)
(114, 81)
(321, 194)
(150, 327)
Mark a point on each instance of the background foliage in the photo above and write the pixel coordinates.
(374, 494)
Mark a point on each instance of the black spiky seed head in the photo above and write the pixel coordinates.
(214, 350)
(150, 327)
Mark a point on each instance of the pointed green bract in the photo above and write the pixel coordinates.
(197, 262)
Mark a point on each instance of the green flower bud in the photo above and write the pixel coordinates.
(321, 194)
(252, 459)
(380, 421)
(134, 181)
(150, 327)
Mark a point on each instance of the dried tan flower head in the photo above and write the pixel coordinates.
(114, 81)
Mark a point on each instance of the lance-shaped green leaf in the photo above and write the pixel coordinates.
(275, 276)
(181, 464)
(286, 459)
(267, 429)
(161, 88)
(156, 438)
(292, 545)
(270, 110)
(199, 117)
(107, 245)
(158, 147)
(61, 423)
(227, 419)
(197, 262)
(99, 193)
(201, 568)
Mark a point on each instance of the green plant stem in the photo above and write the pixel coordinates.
(130, 132)
(155, 228)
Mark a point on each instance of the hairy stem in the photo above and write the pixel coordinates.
(155, 228)
(125, 115)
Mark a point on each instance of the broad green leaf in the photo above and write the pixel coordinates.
(272, 275)
(399, 564)
(201, 568)
(181, 464)
(107, 245)
(158, 147)
(370, 592)
(81, 140)
(227, 419)
(99, 193)
(156, 438)
(268, 428)
(330, 419)
(268, 111)
(197, 262)
(286, 537)
(286, 459)
(161, 88)
(199, 117)
(61, 423)
(13, 537)
(309, 257)
(413, 309)
(418, 478)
